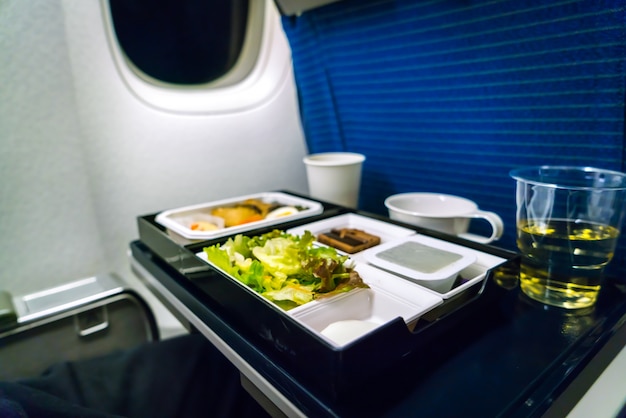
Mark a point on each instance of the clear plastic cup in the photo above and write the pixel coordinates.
(568, 223)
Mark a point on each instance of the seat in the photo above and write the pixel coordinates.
(81, 319)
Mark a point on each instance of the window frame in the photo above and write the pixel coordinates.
(262, 66)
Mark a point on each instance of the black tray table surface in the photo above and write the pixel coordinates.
(501, 354)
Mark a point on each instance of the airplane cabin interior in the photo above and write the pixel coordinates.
(114, 111)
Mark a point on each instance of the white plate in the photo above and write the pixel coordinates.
(385, 230)
(178, 220)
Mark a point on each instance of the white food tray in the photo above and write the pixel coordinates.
(178, 221)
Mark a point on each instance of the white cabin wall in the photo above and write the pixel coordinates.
(47, 229)
(112, 156)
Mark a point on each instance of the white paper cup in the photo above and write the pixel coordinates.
(335, 177)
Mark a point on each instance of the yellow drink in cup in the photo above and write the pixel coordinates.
(568, 222)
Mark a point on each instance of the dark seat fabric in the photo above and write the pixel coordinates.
(447, 96)
(181, 377)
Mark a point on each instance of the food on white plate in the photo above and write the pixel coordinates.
(350, 240)
(282, 211)
(284, 268)
(251, 210)
(203, 226)
(237, 215)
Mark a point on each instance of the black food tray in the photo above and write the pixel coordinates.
(334, 371)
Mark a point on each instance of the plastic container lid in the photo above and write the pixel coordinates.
(427, 261)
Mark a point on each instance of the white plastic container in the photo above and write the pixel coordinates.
(178, 220)
(427, 261)
(348, 317)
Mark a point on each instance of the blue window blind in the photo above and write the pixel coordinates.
(448, 96)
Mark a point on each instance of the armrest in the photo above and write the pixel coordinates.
(8, 315)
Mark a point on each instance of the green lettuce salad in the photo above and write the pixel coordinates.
(285, 268)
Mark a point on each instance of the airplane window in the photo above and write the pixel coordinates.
(186, 42)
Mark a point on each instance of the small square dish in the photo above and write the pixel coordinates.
(342, 320)
(351, 233)
(230, 216)
(427, 261)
